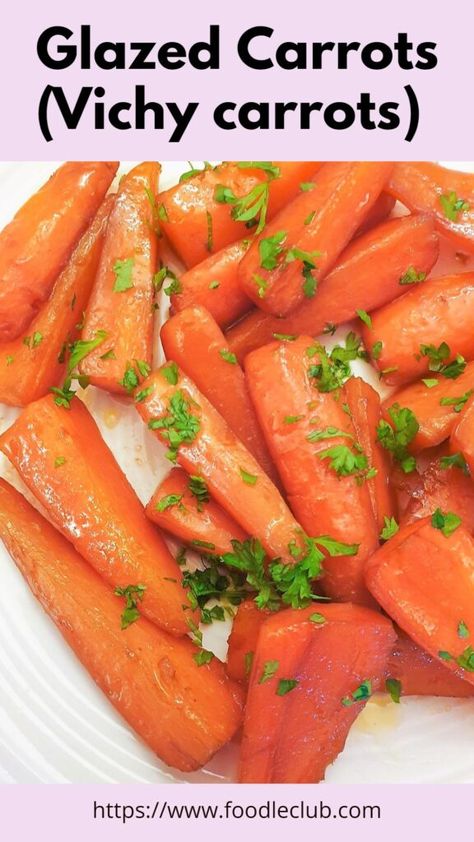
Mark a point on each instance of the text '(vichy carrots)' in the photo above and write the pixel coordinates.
(33, 363)
(36, 244)
(184, 712)
(121, 305)
(182, 506)
(62, 458)
(195, 342)
(312, 674)
(372, 271)
(300, 246)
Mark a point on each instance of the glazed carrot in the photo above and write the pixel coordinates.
(36, 244)
(462, 436)
(366, 276)
(446, 194)
(421, 675)
(301, 424)
(438, 311)
(424, 580)
(377, 214)
(243, 639)
(312, 675)
(436, 404)
(122, 298)
(197, 224)
(364, 404)
(195, 342)
(174, 508)
(201, 442)
(214, 284)
(33, 363)
(300, 246)
(184, 712)
(62, 458)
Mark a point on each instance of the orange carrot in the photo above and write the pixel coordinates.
(32, 364)
(421, 675)
(436, 404)
(195, 342)
(367, 276)
(301, 424)
(184, 712)
(302, 243)
(312, 675)
(177, 510)
(377, 214)
(446, 194)
(424, 580)
(36, 244)
(406, 334)
(364, 404)
(462, 436)
(214, 284)
(243, 639)
(122, 298)
(198, 224)
(202, 443)
(61, 456)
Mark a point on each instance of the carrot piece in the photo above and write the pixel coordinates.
(243, 639)
(422, 675)
(214, 284)
(61, 456)
(423, 578)
(462, 436)
(31, 365)
(446, 194)
(122, 298)
(367, 276)
(336, 659)
(202, 443)
(36, 244)
(364, 404)
(292, 414)
(195, 342)
(183, 711)
(309, 234)
(174, 508)
(441, 310)
(379, 212)
(197, 225)
(436, 406)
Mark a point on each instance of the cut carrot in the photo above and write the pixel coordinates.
(195, 342)
(122, 298)
(436, 404)
(424, 580)
(300, 246)
(184, 712)
(446, 194)
(32, 364)
(364, 404)
(367, 276)
(174, 508)
(312, 675)
(420, 674)
(300, 424)
(214, 284)
(378, 213)
(197, 224)
(61, 456)
(462, 436)
(405, 336)
(203, 444)
(243, 639)
(36, 244)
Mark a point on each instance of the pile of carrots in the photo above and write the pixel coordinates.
(335, 529)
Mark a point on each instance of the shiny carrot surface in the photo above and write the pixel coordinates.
(36, 244)
(122, 298)
(184, 712)
(422, 675)
(62, 458)
(462, 436)
(243, 639)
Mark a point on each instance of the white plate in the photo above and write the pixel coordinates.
(55, 724)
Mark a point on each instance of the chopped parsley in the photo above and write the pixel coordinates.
(446, 522)
(452, 205)
(261, 285)
(168, 501)
(306, 186)
(430, 382)
(390, 528)
(327, 433)
(438, 360)
(178, 426)
(292, 419)
(393, 686)
(286, 685)
(463, 631)
(361, 693)
(333, 369)
(377, 349)
(214, 285)
(123, 270)
(285, 337)
(60, 460)
(210, 232)
(82, 347)
(317, 618)
(203, 656)
(458, 402)
(271, 249)
(199, 490)
(132, 374)
(411, 276)
(364, 317)
(133, 594)
(269, 670)
(185, 176)
(397, 436)
(465, 660)
(228, 356)
(249, 479)
(455, 460)
(170, 372)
